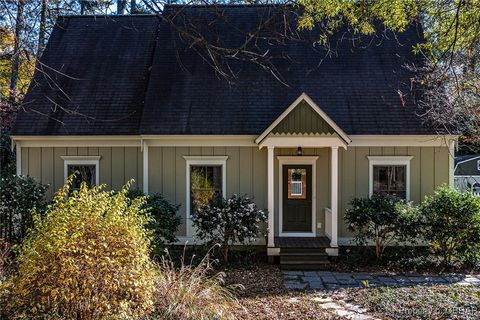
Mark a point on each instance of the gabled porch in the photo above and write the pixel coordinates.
(302, 183)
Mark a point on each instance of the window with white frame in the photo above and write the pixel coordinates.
(390, 175)
(85, 169)
(206, 182)
(478, 165)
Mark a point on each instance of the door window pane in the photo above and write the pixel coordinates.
(205, 185)
(82, 173)
(390, 180)
(297, 183)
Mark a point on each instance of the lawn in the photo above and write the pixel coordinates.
(417, 302)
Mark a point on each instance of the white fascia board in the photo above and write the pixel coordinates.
(401, 140)
(201, 141)
(302, 141)
(136, 141)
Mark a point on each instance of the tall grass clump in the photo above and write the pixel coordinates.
(192, 292)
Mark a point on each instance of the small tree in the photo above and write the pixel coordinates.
(87, 258)
(451, 223)
(235, 220)
(20, 196)
(164, 220)
(383, 219)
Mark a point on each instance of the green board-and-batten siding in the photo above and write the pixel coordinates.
(303, 120)
(429, 168)
(117, 164)
(246, 171)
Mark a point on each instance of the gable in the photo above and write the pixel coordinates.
(468, 167)
(303, 120)
(304, 117)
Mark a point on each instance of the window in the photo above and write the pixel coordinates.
(390, 180)
(297, 183)
(85, 168)
(206, 183)
(390, 175)
(478, 165)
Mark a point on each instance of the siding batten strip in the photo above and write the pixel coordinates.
(145, 167)
(18, 156)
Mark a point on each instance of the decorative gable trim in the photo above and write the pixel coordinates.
(315, 107)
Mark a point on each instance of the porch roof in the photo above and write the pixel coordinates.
(310, 122)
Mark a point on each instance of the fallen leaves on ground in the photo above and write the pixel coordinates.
(265, 297)
(418, 302)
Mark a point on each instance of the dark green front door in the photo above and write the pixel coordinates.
(297, 198)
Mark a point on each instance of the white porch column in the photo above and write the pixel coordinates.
(271, 197)
(334, 196)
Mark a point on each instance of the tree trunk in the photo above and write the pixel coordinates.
(43, 29)
(133, 6)
(121, 4)
(17, 47)
(225, 251)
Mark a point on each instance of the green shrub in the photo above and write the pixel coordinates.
(87, 258)
(20, 196)
(226, 222)
(164, 220)
(451, 224)
(382, 219)
(192, 292)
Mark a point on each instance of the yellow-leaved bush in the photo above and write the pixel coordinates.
(86, 258)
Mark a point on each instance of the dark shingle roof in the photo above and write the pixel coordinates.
(94, 77)
(357, 87)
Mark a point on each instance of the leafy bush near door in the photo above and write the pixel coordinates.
(236, 220)
(164, 220)
(383, 220)
(451, 224)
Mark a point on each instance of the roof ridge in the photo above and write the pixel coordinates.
(242, 5)
(176, 5)
(143, 15)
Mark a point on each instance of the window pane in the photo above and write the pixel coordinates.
(390, 180)
(82, 173)
(205, 185)
(297, 183)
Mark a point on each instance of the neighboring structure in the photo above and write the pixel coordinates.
(467, 173)
(125, 97)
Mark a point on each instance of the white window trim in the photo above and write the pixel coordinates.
(389, 161)
(79, 161)
(297, 160)
(202, 161)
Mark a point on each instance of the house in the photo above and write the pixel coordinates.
(467, 173)
(122, 97)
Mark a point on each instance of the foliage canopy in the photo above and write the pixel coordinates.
(451, 223)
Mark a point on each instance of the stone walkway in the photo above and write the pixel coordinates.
(327, 280)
